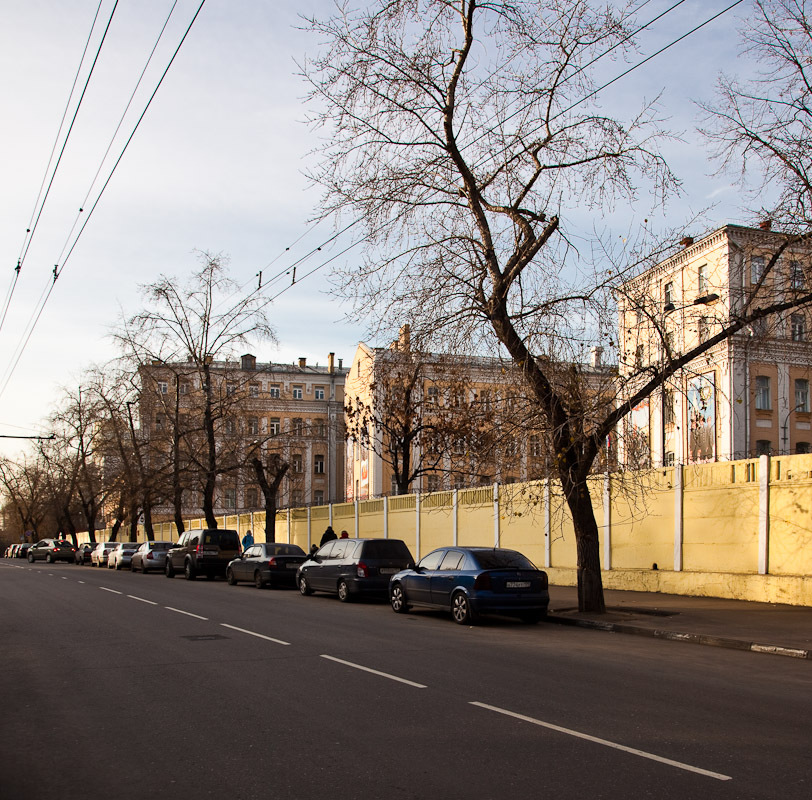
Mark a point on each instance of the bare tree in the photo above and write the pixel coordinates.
(183, 323)
(462, 134)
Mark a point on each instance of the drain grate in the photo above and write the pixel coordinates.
(206, 637)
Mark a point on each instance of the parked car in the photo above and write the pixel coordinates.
(269, 564)
(101, 553)
(121, 555)
(353, 567)
(22, 550)
(51, 550)
(468, 581)
(150, 556)
(202, 552)
(83, 553)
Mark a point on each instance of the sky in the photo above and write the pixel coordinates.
(217, 164)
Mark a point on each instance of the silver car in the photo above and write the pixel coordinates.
(150, 556)
(101, 552)
(122, 555)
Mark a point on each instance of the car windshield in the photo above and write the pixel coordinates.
(500, 559)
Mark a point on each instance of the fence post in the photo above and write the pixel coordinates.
(289, 526)
(417, 526)
(386, 516)
(309, 529)
(454, 514)
(607, 522)
(679, 523)
(496, 515)
(548, 548)
(330, 513)
(356, 517)
(763, 515)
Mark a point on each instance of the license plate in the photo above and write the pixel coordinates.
(517, 584)
(293, 566)
(389, 570)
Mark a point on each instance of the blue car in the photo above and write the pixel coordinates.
(469, 581)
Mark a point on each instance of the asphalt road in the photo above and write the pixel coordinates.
(122, 685)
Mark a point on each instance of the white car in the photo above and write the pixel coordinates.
(122, 555)
(101, 553)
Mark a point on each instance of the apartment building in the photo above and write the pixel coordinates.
(468, 419)
(295, 410)
(749, 394)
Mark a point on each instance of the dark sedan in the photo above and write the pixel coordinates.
(469, 581)
(268, 564)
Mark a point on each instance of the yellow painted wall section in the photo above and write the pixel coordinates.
(721, 529)
(790, 550)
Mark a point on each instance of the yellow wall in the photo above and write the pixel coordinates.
(720, 527)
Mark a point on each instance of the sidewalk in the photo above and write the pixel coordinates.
(759, 627)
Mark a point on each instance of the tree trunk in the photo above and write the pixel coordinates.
(270, 490)
(590, 583)
(211, 455)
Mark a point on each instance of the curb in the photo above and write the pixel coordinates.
(677, 636)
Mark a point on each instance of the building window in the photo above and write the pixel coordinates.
(298, 426)
(639, 356)
(763, 447)
(319, 428)
(298, 394)
(273, 391)
(184, 388)
(798, 327)
(253, 425)
(432, 483)
(802, 395)
(704, 329)
(668, 296)
(296, 497)
(231, 388)
(669, 459)
(486, 398)
(702, 280)
(231, 426)
(802, 447)
(159, 421)
(431, 395)
(251, 497)
(163, 387)
(669, 414)
(230, 498)
(796, 275)
(253, 390)
(275, 426)
(535, 445)
(764, 400)
(757, 264)
(296, 463)
(393, 486)
(319, 393)
(318, 497)
(318, 465)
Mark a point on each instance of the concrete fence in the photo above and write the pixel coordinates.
(739, 529)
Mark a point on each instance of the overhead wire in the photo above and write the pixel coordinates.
(59, 269)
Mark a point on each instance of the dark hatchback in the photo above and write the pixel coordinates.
(51, 550)
(469, 581)
(202, 552)
(354, 567)
(269, 564)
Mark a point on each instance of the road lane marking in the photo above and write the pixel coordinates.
(142, 600)
(81, 581)
(605, 742)
(251, 633)
(188, 613)
(105, 589)
(374, 672)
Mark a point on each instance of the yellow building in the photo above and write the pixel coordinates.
(749, 394)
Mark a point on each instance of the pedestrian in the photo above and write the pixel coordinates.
(345, 535)
(328, 535)
(247, 541)
(314, 548)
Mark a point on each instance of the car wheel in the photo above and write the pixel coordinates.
(461, 609)
(304, 586)
(117, 565)
(143, 568)
(232, 581)
(169, 570)
(189, 571)
(258, 582)
(397, 599)
(344, 592)
(30, 559)
(49, 559)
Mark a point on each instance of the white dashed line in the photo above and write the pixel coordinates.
(375, 672)
(187, 613)
(142, 600)
(105, 589)
(251, 633)
(81, 581)
(633, 751)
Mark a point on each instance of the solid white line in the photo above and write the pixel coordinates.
(105, 589)
(141, 600)
(375, 672)
(251, 633)
(642, 753)
(188, 613)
